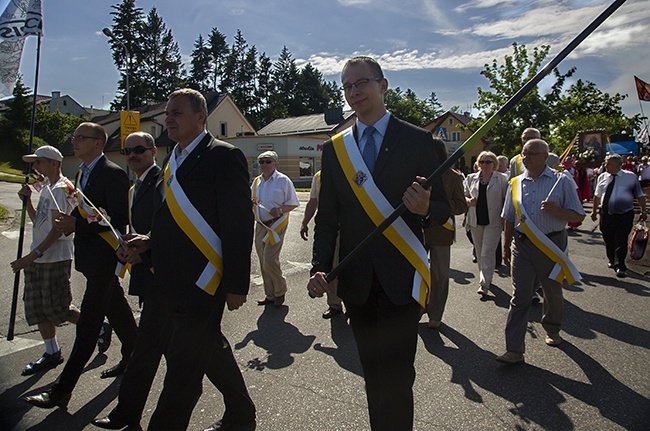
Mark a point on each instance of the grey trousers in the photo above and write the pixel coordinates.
(530, 266)
(440, 260)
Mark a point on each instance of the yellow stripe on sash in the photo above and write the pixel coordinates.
(564, 268)
(194, 235)
(421, 283)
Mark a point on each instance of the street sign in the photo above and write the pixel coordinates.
(129, 123)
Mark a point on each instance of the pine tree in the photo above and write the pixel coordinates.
(285, 79)
(162, 66)
(201, 72)
(218, 51)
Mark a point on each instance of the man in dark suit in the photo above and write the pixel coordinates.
(140, 151)
(201, 240)
(377, 287)
(104, 184)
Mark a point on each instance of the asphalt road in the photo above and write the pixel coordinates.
(304, 374)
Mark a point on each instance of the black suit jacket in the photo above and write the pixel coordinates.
(142, 279)
(107, 188)
(406, 152)
(215, 179)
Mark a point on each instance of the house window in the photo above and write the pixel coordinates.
(223, 129)
(255, 168)
(307, 166)
(451, 121)
(455, 136)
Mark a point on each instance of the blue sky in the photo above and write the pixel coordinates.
(425, 45)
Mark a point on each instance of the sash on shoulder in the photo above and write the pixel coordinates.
(196, 228)
(563, 268)
(272, 236)
(378, 209)
(120, 268)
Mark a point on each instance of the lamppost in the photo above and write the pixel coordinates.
(107, 31)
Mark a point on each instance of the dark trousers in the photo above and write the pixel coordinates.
(103, 297)
(386, 337)
(616, 229)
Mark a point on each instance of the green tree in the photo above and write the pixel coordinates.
(55, 128)
(127, 26)
(218, 48)
(161, 64)
(14, 125)
(311, 91)
(585, 107)
(285, 78)
(407, 106)
(201, 71)
(534, 110)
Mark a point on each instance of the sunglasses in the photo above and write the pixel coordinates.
(485, 162)
(136, 150)
(263, 162)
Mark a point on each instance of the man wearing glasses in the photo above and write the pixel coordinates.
(139, 152)
(538, 205)
(104, 184)
(372, 168)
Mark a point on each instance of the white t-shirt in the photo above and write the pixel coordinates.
(62, 249)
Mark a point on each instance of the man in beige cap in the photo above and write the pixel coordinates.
(48, 264)
(274, 196)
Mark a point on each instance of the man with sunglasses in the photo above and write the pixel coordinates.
(104, 184)
(139, 152)
(274, 196)
(369, 169)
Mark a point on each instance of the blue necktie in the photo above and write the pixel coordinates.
(369, 151)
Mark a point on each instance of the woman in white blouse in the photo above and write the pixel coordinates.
(485, 192)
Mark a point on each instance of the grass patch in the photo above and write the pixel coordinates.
(10, 178)
(4, 213)
(6, 168)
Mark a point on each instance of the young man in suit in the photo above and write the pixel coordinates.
(105, 184)
(200, 241)
(385, 157)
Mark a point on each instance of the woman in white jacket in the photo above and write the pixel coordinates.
(485, 192)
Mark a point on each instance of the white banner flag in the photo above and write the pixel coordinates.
(21, 18)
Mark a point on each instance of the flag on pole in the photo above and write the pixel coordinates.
(643, 136)
(642, 89)
(21, 18)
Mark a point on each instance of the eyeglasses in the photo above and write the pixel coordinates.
(126, 151)
(360, 85)
(265, 161)
(485, 162)
(81, 137)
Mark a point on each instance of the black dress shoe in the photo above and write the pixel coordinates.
(225, 425)
(620, 272)
(49, 399)
(331, 312)
(265, 301)
(114, 424)
(45, 362)
(114, 371)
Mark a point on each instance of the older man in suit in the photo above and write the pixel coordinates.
(104, 184)
(372, 168)
(200, 242)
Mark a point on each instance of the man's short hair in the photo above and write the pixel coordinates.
(371, 62)
(531, 131)
(540, 144)
(148, 139)
(197, 101)
(616, 158)
(98, 130)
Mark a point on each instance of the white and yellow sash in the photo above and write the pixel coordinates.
(272, 236)
(378, 209)
(85, 210)
(563, 268)
(196, 228)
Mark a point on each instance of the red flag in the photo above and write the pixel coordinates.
(642, 89)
